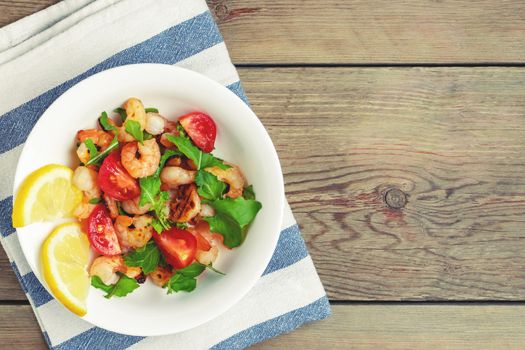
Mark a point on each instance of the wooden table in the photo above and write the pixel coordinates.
(401, 131)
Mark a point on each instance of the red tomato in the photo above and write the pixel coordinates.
(201, 129)
(115, 181)
(178, 246)
(101, 232)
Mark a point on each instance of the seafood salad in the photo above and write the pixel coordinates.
(155, 201)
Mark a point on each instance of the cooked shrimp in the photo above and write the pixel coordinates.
(160, 276)
(174, 176)
(165, 142)
(106, 268)
(132, 207)
(207, 257)
(85, 179)
(135, 111)
(136, 236)
(100, 138)
(207, 210)
(112, 206)
(175, 161)
(186, 204)
(141, 160)
(232, 176)
(155, 123)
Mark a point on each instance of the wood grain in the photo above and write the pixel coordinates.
(381, 32)
(362, 32)
(453, 140)
(11, 11)
(354, 327)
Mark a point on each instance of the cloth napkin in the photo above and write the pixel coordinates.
(43, 55)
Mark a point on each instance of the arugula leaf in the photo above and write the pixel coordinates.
(240, 209)
(100, 157)
(104, 122)
(150, 193)
(147, 135)
(226, 226)
(123, 287)
(133, 128)
(122, 113)
(146, 257)
(95, 200)
(120, 210)
(151, 110)
(181, 225)
(232, 217)
(93, 151)
(178, 283)
(248, 193)
(202, 160)
(209, 187)
(192, 270)
(184, 279)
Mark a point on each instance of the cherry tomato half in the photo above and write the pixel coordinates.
(101, 233)
(178, 246)
(115, 181)
(201, 129)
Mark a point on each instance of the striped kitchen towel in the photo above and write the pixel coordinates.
(43, 55)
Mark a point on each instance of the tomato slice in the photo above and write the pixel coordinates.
(115, 181)
(101, 233)
(178, 246)
(201, 129)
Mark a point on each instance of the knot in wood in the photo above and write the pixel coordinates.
(395, 198)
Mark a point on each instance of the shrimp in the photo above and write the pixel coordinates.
(132, 206)
(135, 111)
(232, 176)
(207, 257)
(147, 161)
(112, 206)
(136, 236)
(85, 179)
(174, 176)
(186, 204)
(207, 210)
(155, 123)
(100, 138)
(106, 268)
(207, 251)
(160, 276)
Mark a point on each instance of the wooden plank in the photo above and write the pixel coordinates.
(381, 31)
(453, 140)
(11, 11)
(354, 326)
(10, 288)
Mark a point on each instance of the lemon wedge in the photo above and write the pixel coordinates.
(46, 194)
(65, 259)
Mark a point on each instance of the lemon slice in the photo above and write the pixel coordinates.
(46, 194)
(65, 259)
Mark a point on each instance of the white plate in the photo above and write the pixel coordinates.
(241, 139)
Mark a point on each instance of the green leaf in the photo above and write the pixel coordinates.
(93, 151)
(192, 270)
(157, 225)
(226, 226)
(122, 113)
(167, 155)
(100, 157)
(97, 283)
(181, 225)
(95, 200)
(201, 160)
(146, 257)
(120, 210)
(149, 189)
(147, 135)
(151, 110)
(248, 193)
(178, 283)
(104, 122)
(240, 209)
(133, 128)
(209, 187)
(123, 287)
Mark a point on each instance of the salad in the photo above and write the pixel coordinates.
(155, 202)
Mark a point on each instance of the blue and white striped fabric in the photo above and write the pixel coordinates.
(43, 55)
